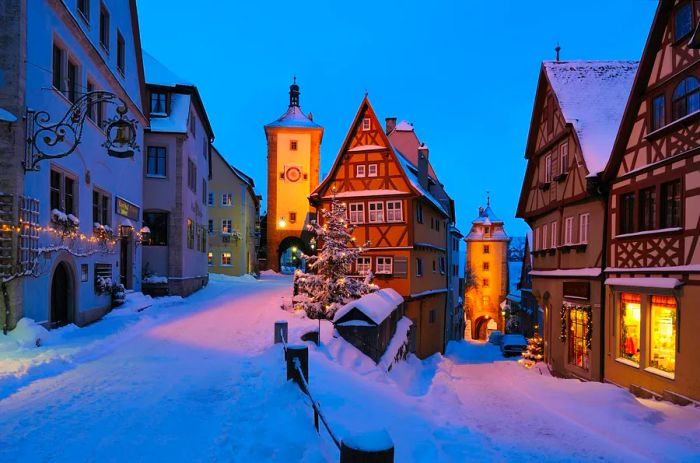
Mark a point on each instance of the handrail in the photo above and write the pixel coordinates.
(315, 405)
(284, 341)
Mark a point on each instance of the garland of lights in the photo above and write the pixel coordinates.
(562, 316)
(589, 322)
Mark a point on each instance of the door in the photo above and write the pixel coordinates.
(59, 296)
(124, 261)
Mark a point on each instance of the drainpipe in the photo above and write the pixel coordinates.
(603, 264)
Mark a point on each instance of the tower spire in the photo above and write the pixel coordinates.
(488, 199)
(294, 93)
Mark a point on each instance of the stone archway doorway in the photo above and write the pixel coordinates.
(483, 326)
(61, 296)
(289, 252)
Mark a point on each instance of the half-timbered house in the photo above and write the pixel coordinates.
(653, 273)
(389, 202)
(578, 106)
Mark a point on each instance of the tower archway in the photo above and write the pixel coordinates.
(290, 251)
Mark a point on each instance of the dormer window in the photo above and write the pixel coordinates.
(682, 21)
(366, 124)
(159, 103)
(686, 98)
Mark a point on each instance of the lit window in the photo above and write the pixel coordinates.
(486, 300)
(225, 259)
(630, 326)
(226, 226)
(583, 228)
(372, 170)
(385, 265)
(366, 124)
(364, 265)
(394, 211)
(487, 249)
(210, 259)
(663, 333)
(190, 234)
(578, 337)
(357, 213)
(376, 212)
(360, 170)
(226, 199)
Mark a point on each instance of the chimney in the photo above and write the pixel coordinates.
(423, 167)
(390, 124)
(310, 116)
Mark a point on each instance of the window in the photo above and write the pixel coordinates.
(671, 204)
(437, 224)
(486, 300)
(376, 212)
(366, 124)
(210, 258)
(485, 282)
(686, 98)
(226, 226)
(104, 27)
(372, 170)
(210, 199)
(190, 234)
(394, 211)
(72, 81)
(627, 213)
(583, 228)
(121, 53)
(159, 102)
(204, 191)
(57, 67)
(363, 265)
(564, 158)
(443, 265)
(682, 21)
(226, 199)
(157, 222)
(578, 337)
(192, 175)
(432, 316)
(211, 226)
(419, 266)
(357, 213)
(419, 212)
(101, 208)
(537, 238)
(102, 272)
(485, 266)
(155, 162)
(360, 170)
(292, 217)
(225, 259)
(658, 112)
(487, 250)
(569, 230)
(548, 168)
(84, 9)
(434, 266)
(647, 209)
(292, 145)
(385, 265)
(62, 192)
(487, 232)
(554, 242)
(432, 223)
(630, 326)
(193, 124)
(90, 108)
(545, 233)
(663, 333)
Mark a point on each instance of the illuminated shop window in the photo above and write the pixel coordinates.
(630, 315)
(578, 337)
(663, 333)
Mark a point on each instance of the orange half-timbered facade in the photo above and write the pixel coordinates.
(389, 203)
(578, 106)
(653, 273)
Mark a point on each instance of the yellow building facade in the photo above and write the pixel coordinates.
(486, 275)
(234, 211)
(293, 157)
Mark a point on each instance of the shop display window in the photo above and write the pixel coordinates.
(663, 333)
(630, 326)
(578, 334)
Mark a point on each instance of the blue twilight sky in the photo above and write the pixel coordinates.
(464, 72)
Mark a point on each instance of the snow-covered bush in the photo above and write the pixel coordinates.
(65, 224)
(103, 285)
(102, 232)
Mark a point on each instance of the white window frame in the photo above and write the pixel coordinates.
(363, 265)
(537, 238)
(569, 230)
(548, 168)
(359, 212)
(376, 215)
(372, 170)
(394, 214)
(385, 265)
(225, 225)
(230, 257)
(545, 232)
(564, 158)
(366, 124)
(360, 171)
(554, 242)
(223, 199)
(583, 220)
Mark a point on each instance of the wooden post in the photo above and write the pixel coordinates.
(372, 447)
(281, 331)
(300, 352)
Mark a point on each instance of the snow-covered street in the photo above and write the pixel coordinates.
(199, 380)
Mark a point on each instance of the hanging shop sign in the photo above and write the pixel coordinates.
(126, 209)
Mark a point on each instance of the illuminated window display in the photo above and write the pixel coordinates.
(630, 326)
(663, 333)
(578, 337)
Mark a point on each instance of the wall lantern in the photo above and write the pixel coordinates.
(145, 233)
(53, 141)
(312, 243)
(125, 231)
(282, 222)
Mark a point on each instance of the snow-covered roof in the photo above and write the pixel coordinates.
(176, 120)
(359, 148)
(377, 305)
(592, 96)
(7, 116)
(156, 73)
(363, 193)
(486, 217)
(412, 174)
(571, 272)
(294, 117)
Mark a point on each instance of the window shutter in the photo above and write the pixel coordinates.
(400, 266)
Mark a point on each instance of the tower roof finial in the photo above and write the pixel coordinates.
(488, 198)
(557, 49)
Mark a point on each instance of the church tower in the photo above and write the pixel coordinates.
(486, 277)
(293, 162)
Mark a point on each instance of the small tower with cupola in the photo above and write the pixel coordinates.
(293, 159)
(486, 274)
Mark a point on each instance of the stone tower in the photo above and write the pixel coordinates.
(486, 277)
(293, 158)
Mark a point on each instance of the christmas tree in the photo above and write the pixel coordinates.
(535, 349)
(328, 287)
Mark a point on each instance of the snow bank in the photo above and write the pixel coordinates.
(370, 441)
(398, 345)
(26, 334)
(155, 279)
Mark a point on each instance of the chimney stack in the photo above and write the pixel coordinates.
(390, 124)
(423, 167)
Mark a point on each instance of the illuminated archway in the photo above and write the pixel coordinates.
(289, 252)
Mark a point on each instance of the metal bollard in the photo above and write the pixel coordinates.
(371, 447)
(300, 352)
(281, 331)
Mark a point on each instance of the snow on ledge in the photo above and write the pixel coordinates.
(573, 272)
(363, 193)
(664, 283)
(669, 269)
(377, 306)
(359, 148)
(649, 232)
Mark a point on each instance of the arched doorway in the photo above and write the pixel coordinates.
(61, 296)
(289, 252)
(483, 326)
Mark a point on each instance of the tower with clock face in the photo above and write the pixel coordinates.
(293, 157)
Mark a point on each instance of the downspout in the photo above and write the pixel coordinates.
(603, 265)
